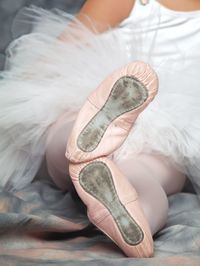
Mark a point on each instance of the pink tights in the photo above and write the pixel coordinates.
(152, 177)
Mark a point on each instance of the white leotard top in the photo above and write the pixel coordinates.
(166, 35)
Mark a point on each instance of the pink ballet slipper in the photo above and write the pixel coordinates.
(113, 205)
(106, 118)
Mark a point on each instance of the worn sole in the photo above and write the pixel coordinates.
(97, 180)
(127, 94)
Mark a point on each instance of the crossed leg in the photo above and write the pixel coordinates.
(152, 177)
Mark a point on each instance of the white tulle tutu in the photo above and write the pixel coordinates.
(45, 77)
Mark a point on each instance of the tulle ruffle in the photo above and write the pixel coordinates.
(46, 77)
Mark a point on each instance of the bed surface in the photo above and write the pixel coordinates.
(41, 225)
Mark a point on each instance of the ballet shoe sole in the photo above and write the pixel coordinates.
(96, 179)
(127, 94)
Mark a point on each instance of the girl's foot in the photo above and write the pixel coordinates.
(113, 205)
(106, 118)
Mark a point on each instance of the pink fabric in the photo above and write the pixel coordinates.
(118, 130)
(128, 197)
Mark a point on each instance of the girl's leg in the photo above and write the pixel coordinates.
(171, 179)
(57, 164)
(153, 181)
(152, 177)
